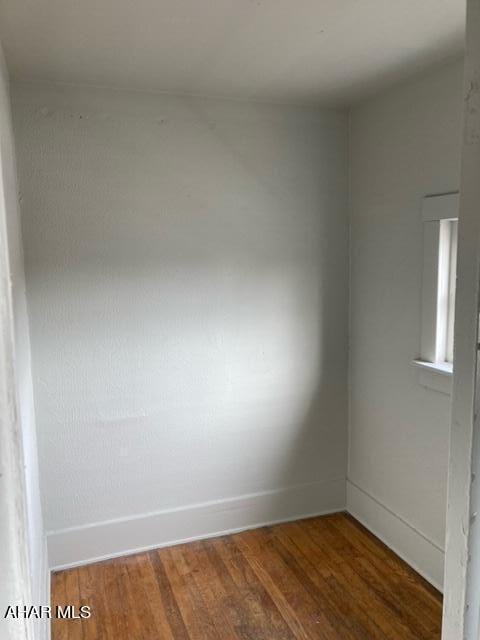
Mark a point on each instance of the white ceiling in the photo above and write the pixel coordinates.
(326, 51)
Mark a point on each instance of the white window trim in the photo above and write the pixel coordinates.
(435, 371)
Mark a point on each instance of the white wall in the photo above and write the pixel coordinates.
(461, 611)
(404, 145)
(188, 286)
(18, 441)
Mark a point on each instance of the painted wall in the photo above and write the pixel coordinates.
(20, 511)
(461, 611)
(188, 287)
(404, 145)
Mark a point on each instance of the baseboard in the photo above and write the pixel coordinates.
(421, 553)
(103, 540)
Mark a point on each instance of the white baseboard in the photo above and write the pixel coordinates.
(103, 540)
(421, 553)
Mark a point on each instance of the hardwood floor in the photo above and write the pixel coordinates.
(324, 578)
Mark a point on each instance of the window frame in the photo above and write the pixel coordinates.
(438, 213)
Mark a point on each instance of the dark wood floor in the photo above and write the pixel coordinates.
(322, 578)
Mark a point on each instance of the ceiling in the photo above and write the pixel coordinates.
(307, 51)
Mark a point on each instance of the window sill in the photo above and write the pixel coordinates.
(442, 368)
(435, 375)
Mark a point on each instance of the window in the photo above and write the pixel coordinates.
(452, 281)
(440, 229)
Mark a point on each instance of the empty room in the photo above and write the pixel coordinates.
(239, 293)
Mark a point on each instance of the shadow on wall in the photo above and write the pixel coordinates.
(187, 279)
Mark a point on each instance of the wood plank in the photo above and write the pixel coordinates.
(413, 600)
(323, 578)
(72, 591)
(167, 597)
(307, 598)
(91, 627)
(368, 604)
(247, 624)
(154, 606)
(417, 594)
(60, 628)
(221, 606)
(117, 616)
(261, 607)
(341, 610)
(190, 601)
